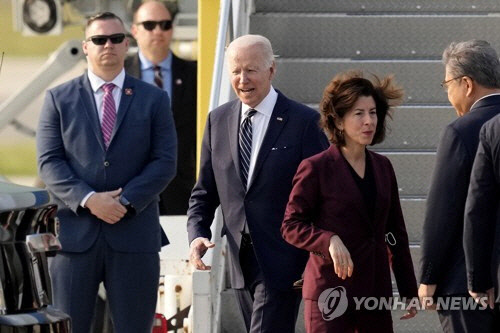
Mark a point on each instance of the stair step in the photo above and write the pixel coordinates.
(414, 214)
(371, 37)
(363, 6)
(413, 171)
(305, 79)
(415, 127)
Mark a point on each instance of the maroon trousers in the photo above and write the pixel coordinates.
(350, 322)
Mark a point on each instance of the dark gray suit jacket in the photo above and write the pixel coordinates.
(72, 161)
(174, 199)
(292, 135)
(443, 261)
(482, 213)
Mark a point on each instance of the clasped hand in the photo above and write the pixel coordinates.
(106, 206)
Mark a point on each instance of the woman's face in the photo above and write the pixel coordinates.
(359, 123)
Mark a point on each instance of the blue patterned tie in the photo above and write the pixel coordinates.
(246, 145)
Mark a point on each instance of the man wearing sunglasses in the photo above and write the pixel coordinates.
(106, 147)
(156, 64)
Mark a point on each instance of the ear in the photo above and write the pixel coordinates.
(272, 71)
(469, 86)
(84, 47)
(127, 43)
(339, 123)
(133, 30)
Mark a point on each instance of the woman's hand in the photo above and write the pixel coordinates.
(341, 257)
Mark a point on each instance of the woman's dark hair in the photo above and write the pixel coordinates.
(343, 91)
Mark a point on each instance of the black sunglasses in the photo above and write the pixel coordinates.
(151, 25)
(102, 39)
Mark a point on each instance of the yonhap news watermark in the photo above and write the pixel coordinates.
(333, 303)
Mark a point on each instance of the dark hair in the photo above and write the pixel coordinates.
(102, 17)
(343, 91)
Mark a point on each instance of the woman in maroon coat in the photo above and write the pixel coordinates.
(343, 206)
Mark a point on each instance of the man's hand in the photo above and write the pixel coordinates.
(197, 250)
(484, 299)
(425, 294)
(342, 263)
(106, 206)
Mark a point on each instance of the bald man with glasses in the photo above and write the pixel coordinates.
(156, 64)
(106, 148)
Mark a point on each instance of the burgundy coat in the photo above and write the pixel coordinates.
(325, 201)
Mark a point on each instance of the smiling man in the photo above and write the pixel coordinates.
(251, 149)
(106, 148)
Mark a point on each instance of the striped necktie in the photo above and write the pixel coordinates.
(158, 76)
(246, 145)
(108, 113)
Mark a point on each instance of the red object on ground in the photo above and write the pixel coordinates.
(160, 324)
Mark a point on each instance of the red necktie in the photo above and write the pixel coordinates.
(108, 113)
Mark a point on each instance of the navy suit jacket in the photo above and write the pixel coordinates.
(326, 201)
(141, 159)
(292, 135)
(482, 213)
(443, 259)
(174, 199)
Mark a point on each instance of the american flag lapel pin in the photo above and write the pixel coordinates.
(128, 91)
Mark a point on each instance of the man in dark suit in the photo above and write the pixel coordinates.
(106, 148)
(482, 221)
(156, 64)
(250, 152)
(472, 81)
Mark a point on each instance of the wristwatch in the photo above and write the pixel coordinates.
(127, 205)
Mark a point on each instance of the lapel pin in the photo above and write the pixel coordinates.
(178, 82)
(279, 119)
(128, 91)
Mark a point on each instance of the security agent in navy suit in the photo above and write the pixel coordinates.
(178, 79)
(482, 221)
(263, 266)
(472, 81)
(106, 183)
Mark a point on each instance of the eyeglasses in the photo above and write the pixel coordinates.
(102, 39)
(151, 25)
(444, 84)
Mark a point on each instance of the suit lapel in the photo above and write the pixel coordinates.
(177, 81)
(233, 125)
(125, 100)
(277, 122)
(90, 109)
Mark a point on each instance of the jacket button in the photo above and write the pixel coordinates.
(106, 163)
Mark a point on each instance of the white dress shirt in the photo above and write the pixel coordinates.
(96, 83)
(260, 121)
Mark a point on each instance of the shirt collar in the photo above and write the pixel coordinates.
(472, 106)
(265, 107)
(96, 82)
(166, 64)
